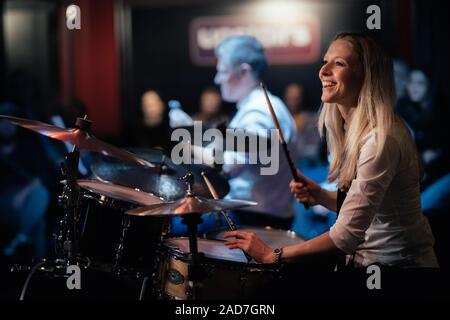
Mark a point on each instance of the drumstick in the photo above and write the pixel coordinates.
(215, 195)
(230, 222)
(281, 139)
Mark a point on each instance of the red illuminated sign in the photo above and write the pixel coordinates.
(292, 41)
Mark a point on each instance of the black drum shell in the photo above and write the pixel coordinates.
(103, 225)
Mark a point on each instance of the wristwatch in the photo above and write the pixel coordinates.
(277, 254)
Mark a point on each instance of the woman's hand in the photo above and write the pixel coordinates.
(251, 244)
(306, 191)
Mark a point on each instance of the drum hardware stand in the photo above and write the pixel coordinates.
(68, 238)
(195, 269)
(67, 241)
(117, 269)
(156, 283)
(229, 221)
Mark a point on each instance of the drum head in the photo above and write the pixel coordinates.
(212, 249)
(119, 192)
(274, 238)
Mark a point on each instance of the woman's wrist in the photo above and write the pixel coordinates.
(327, 199)
(269, 257)
(273, 256)
(321, 199)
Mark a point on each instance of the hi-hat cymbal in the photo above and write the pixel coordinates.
(165, 183)
(189, 205)
(80, 138)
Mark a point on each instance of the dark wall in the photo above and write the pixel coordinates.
(2, 55)
(431, 49)
(29, 49)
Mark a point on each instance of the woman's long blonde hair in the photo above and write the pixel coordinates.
(375, 111)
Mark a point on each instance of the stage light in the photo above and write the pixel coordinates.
(276, 9)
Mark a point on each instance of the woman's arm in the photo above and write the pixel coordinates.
(374, 176)
(318, 245)
(328, 199)
(249, 242)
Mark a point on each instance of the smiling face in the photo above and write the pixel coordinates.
(341, 74)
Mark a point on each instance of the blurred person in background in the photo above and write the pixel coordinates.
(153, 129)
(420, 109)
(401, 76)
(308, 139)
(241, 62)
(210, 108)
(24, 198)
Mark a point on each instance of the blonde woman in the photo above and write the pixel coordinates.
(374, 161)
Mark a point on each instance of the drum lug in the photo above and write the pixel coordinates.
(174, 276)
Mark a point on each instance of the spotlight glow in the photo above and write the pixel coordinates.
(277, 9)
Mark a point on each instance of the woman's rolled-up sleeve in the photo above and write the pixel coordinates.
(366, 193)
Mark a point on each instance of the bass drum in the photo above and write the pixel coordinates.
(227, 274)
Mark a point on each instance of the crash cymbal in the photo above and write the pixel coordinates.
(80, 138)
(189, 205)
(119, 193)
(165, 183)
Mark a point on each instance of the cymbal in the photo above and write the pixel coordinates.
(189, 205)
(119, 192)
(80, 138)
(165, 183)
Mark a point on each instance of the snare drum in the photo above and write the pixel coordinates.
(274, 238)
(227, 273)
(106, 227)
(277, 238)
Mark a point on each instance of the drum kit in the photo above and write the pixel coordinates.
(141, 189)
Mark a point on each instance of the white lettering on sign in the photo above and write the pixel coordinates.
(286, 42)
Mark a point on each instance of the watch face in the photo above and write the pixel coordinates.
(277, 255)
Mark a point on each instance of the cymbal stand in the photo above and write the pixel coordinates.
(195, 270)
(67, 241)
(68, 238)
(126, 223)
